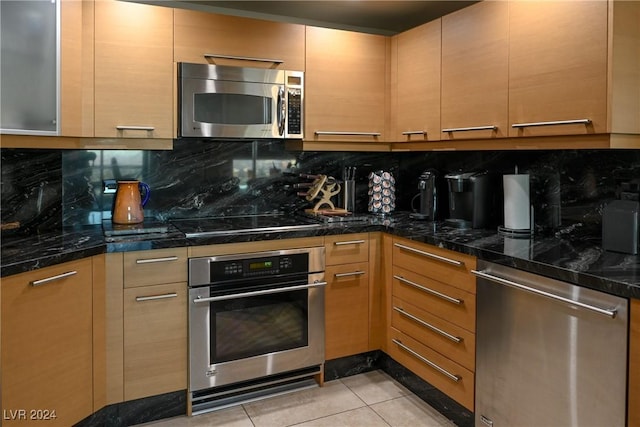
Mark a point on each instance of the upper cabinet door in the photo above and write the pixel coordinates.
(345, 86)
(475, 48)
(557, 67)
(134, 72)
(418, 52)
(209, 38)
(29, 68)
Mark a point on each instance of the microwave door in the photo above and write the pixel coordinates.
(226, 109)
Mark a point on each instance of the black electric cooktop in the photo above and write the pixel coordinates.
(228, 225)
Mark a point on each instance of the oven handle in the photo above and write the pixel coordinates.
(315, 284)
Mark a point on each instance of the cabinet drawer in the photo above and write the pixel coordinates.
(154, 267)
(448, 339)
(347, 310)
(443, 301)
(439, 264)
(155, 340)
(347, 249)
(447, 376)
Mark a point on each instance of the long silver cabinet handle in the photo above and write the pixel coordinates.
(429, 291)
(430, 255)
(447, 335)
(350, 242)
(352, 273)
(147, 128)
(244, 58)
(552, 123)
(415, 132)
(152, 260)
(157, 297)
(257, 293)
(328, 132)
(604, 311)
(465, 129)
(53, 278)
(443, 371)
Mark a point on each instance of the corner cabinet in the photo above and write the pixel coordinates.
(346, 295)
(345, 86)
(47, 347)
(134, 72)
(433, 315)
(416, 59)
(209, 38)
(475, 48)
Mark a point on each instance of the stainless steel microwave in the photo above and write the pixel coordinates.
(237, 102)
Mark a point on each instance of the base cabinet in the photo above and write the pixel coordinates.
(346, 295)
(155, 340)
(432, 315)
(47, 370)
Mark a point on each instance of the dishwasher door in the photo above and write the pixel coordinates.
(548, 353)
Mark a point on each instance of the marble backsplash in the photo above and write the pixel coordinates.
(48, 189)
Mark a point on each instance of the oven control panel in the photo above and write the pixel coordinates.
(258, 267)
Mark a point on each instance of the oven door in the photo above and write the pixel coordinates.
(231, 109)
(253, 334)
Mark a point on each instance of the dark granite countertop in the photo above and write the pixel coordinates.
(567, 255)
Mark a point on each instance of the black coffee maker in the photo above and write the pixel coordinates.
(427, 197)
(471, 199)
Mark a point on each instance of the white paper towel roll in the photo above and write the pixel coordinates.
(516, 202)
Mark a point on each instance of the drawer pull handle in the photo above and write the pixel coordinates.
(147, 128)
(244, 58)
(447, 335)
(604, 311)
(156, 297)
(443, 371)
(332, 132)
(352, 273)
(552, 123)
(53, 278)
(430, 255)
(350, 242)
(429, 291)
(152, 260)
(414, 132)
(465, 129)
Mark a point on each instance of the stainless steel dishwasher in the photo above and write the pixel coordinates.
(548, 353)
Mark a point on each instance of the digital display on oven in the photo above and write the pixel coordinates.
(262, 265)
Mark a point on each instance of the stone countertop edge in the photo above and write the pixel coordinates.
(581, 263)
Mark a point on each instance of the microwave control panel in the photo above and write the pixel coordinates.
(294, 111)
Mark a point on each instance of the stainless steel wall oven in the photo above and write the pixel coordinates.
(256, 325)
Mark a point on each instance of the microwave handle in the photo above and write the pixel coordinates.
(244, 58)
(282, 111)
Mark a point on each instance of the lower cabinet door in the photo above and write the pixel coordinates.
(47, 346)
(155, 340)
(347, 310)
(447, 376)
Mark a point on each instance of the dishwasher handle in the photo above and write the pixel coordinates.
(609, 312)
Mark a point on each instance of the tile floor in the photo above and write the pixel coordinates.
(372, 399)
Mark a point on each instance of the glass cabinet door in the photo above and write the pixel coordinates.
(29, 67)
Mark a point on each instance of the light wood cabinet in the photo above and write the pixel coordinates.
(432, 316)
(345, 85)
(209, 38)
(134, 71)
(417, 63)
(633, 419)
(146, 323)
(346, 295)
(475, 70)
(47, 344)
(155, 340)
(557, 67)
